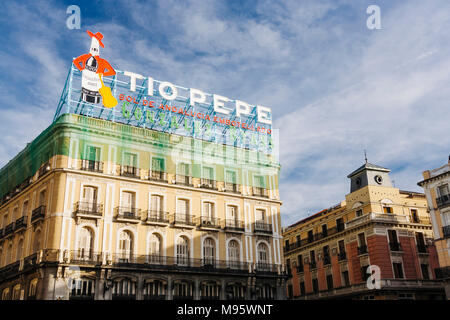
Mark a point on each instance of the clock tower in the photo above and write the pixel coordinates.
(369, 174)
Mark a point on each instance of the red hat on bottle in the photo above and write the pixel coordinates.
(98, 36)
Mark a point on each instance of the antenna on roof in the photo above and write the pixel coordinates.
(365, 155)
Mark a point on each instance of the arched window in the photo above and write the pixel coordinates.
(16, 292)
(155, 248)
(5, 294)
(9, 254)
(233, 254)
(89, 200)
(25, 209)
(208, 251)
(32, 289)
(85, 243)
(125, 246)
(124, 289)
(263, 256)
(19, 249)
(155, 290)
(183, 251)
(15, 213)
(37, 241)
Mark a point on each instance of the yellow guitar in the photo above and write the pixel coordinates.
(109, 101)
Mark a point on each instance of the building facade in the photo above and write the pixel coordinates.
(436, 185)
(94, 209)
(377, 230)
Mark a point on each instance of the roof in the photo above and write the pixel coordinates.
(368, 166)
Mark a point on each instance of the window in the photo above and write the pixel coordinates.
(340, 224)
(42, 196)
(443, 190)
(286, 244)
(393, 241)
(207, 174)
(128, 203)
(263, 256)
(157, 205)
(16, 292)
(5, 220)
(5, 294)
(182, 210)
(315, 285)
(155, 288)
(359, 213)
(387, 209)
(231, 181)
(19, 250)
(326, 255)
(364, 274)
(260, 182)
(25, 209)
(312, 257)
(37, 241)
(362, 249)
(182, 251)
(208, 251)
(329, 282)
(208, 212)
(15, 213)
(299, 263)
(93, 154)
(183, 176)
(32, 288)
(85, 243)
(345, 279)
(124, 287)
(183, 289)
(130, 159)
(9, 254)
(398, 270)
(89, 199)
(125, 246)
(310, 236)
(341, 245)
(302, 288)
(158, 165)
(260, 215)
(155, 248)
(324, 230)
(425, 272)
(414, 216)
(82, 287)
(233, 253)
(420, 241)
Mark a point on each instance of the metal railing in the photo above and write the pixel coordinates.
(91, 165)
(9, 229)
(83, 257)
(208, 222)
(232, 187)
(183, 218)
(129, 171)
(208, 184)
(183, 180)
(157, 216)
(44, 169)
(260, 192)
(88, 208)
(38, 213)
(157, 176)
(127, 213)
(262, 227)
(20, 223)
(443, 201)
(234, 225)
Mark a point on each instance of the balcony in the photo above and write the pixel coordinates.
(85, 257)
(87, 209)
(260, 192)
(156, 217)
(21, 223)
(208, 184)
(209, 223)
(342, 256)
(91, 165)
(183, 219)
(126, 214)
(362, 249)
(9, 229)
(38, 214)
(233, 225)
(158, 176)
(129, 171)
(231, 187)
(262, 227)
(443, 201)
(377, 217)
(183, 180)
(395, 246)
(446, 231)
(44, 169)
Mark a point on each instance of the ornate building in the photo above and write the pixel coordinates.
(93, 209)
(377, 230)
(436, 185)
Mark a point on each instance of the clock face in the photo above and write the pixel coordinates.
(378, 179)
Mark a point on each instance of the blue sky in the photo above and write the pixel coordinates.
(335, 87)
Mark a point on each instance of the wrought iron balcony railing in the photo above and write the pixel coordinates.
(20, 223)
(157, 176)
(91, 165)
(38, 213)
(44, 169)
(395, 246)
(127, 213)
(208, 222)
(362, 249)
(9, 229)
(84, 257)
(208, 184)
(232, 187)
(260, 192)
(443, 201)
(157, 216)
(129, 171)
(89, 208)
(234, 225)
(183, 218)
(183, 180)
(262, 227)
(446, 231)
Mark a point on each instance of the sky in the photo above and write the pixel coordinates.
(336, 87)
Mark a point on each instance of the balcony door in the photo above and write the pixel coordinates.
(89, 199)
(232, 216)
(155, 248)
(230, 181)
(93, 156)
(207, 176)
(233, 254)
(182, 251)
(208, 212)
(128, 203)
(208, 251)
(263, 256)
(125, 246)
(157, 206)
(443, 190)
(85, 243)
(182, 210)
